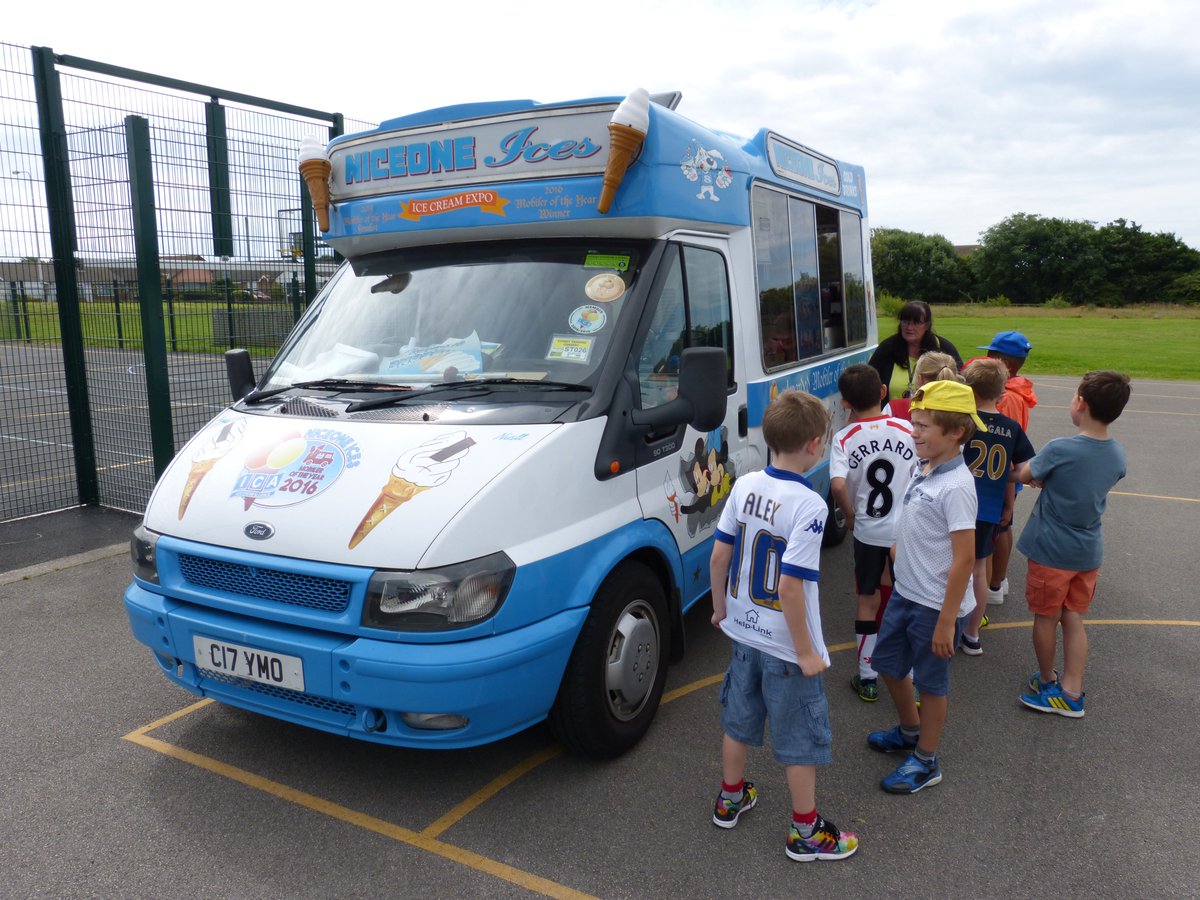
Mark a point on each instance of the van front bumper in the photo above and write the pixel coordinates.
(362, 687)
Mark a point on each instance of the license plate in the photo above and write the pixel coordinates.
(262, 666)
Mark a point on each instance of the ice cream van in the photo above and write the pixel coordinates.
(478, 485)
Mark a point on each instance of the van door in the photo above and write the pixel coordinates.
(684, 476)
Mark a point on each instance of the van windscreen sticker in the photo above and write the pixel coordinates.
(295, 467)
(568, 348)
(616, 261)
(605, 288)
(587, 319)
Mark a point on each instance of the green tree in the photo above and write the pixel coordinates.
(918, 266)
(1141, 267)
(1030, 258)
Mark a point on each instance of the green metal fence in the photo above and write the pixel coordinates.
(147, 226)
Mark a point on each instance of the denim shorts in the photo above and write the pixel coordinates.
(759, 687)
(905, 643)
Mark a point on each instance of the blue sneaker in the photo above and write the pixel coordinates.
(911, 776)
(1052, 699)
(726, 812)
(1036, 685)
(890, 741)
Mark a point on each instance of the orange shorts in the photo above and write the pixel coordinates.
(1048, 591)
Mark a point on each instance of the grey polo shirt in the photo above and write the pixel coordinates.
(934, 505)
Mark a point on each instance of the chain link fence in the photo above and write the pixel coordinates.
(236, 264)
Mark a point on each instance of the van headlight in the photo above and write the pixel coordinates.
(143, 555)
(438, 599)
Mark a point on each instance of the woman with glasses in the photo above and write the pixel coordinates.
(895, 359)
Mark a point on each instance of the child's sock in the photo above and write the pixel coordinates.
(867, 631)
(733, 792)
(806, 823)
(910, 733)
(924, 755)
(1072, 695)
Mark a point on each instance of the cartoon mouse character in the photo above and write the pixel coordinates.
(708, 167)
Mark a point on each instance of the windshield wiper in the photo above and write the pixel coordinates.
(325, 384)
(473, 387)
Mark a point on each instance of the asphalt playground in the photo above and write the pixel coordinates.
(116, 783)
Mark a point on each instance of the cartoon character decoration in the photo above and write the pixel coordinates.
(707, 167)
(709, 475)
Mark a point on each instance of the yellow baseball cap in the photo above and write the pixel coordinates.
(948, 396)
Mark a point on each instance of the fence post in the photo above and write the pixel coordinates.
(150, 303)
(170, 295)
(117, 310)
(218, 179)
(294, 290)
(25, 312)
(56, 166)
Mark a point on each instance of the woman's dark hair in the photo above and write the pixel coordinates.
(915, 311)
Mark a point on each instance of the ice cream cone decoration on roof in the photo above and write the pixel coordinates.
(315, 168)
(626, 131)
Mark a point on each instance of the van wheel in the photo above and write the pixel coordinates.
(835, 525)
(614, 679)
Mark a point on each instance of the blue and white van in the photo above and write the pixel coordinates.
(478, 485)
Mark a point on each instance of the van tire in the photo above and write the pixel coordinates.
(614, 679)
(835, 524)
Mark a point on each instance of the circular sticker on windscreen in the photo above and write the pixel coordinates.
(605, 288)
(587, 319)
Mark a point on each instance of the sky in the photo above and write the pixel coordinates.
(962, 113)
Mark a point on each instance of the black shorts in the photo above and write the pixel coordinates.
(985, 539)
(869, 563)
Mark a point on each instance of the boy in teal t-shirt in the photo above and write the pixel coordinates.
(1063, 540)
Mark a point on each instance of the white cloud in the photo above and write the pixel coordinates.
(961, 114)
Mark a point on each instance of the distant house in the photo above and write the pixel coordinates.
(965, 249)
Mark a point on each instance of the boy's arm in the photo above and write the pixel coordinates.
(718, 573)
(1024, 475)
(841, 496)
(1010, 500)
(791, 600)
(962, 544)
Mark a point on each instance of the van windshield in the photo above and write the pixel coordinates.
(526, 311)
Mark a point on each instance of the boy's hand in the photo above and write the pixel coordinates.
(943, 639)
(1005, 517)
(812, 664)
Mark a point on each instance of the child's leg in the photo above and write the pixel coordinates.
(933, 719)
(1045, 643)
(902, 696)
(979, 585)
(1000, 556)
(1075, 651)
(866, 630)
(802, 782)
(733, 760)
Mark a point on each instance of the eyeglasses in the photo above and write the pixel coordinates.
(913, 321)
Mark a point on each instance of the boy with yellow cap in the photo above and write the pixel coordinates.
(934, 553)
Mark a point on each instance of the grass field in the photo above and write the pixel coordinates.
(1147, 342)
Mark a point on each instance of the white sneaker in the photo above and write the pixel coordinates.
(996, 597)
(1004, 588)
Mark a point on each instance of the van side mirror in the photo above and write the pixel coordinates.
(702, 397)
(240, 373)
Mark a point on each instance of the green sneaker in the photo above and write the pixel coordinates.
(866, 688)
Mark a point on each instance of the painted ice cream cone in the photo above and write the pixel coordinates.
(626, 132)
(199, 470)
(208, 456)
(316, 168)
(395, 494)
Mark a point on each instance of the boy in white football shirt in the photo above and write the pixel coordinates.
(764, 569)
(869, 468)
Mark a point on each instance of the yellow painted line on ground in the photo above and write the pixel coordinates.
(1156, 496)
(426, 839)
(490, 790)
